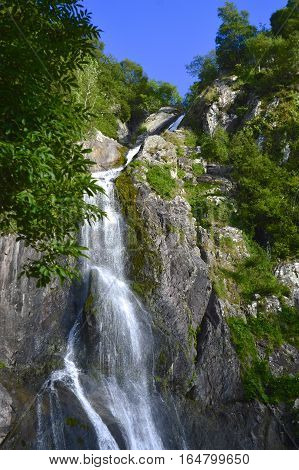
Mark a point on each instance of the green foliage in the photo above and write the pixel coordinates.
(114, 90)
(286, 21)
(243, 340)
(181, 173)
(204, 209)
(266, 60)
(254, 276)
(43, 172)
(190, 138)
(204, 68)
(197, 169)
(266, 196)
(270, 63)
(231, 36)
(160, 179)
(259, 383)
(214, 148)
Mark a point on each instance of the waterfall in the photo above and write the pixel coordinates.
(122, 414)
(174, 126)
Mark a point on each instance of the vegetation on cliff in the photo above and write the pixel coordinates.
(263, 151)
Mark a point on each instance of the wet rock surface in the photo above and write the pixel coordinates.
(34, 325)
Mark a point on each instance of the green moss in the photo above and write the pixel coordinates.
(243, 340)
(89, 305)
(204, 209)
(191, 139)
(211, 95)
(162, 359)
(219, 287)
(123, 154)
(193, 336)
(73, 422)
(143, 288)
(2, 365)
(180, 151)
(160, 179)
(144, 259)
(194, 155)
(137, 164)
(227, 244)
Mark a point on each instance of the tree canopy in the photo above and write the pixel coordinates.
(43, 172)
(232, 35)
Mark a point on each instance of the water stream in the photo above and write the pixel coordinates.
(122, 352)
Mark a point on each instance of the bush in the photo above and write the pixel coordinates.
(214, 148)
(258, 381)
(160, 179)
(254, 275)
(197, 169)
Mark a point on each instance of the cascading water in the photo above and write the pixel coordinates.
(174, 126)
(122, 353)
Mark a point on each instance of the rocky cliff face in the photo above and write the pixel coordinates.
(33, 328)
(174, 263)
(176, 266)
(223, 104)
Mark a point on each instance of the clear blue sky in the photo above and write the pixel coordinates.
(164, 35)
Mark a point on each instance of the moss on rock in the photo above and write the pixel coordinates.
(141, 251)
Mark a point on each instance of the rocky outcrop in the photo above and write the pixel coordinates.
(171, 274)
(214, 107)
(34, 325)
(223, 104)
(159, 121)
(196, 362)
(105, 152)
(288, 274)
(5, 412)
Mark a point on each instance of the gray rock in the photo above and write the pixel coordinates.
(288, 274)
(214, 107)
(284, 360)
(106, 152)
(5, 412)
(159, 121)
(33, 321)
(34, 326)
(218, 371)
(123, 133)
(254, 109)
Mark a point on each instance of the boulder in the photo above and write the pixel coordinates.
(159, 121)
(106, 152)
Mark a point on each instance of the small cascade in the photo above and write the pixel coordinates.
(174, 126)
(123, 415)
